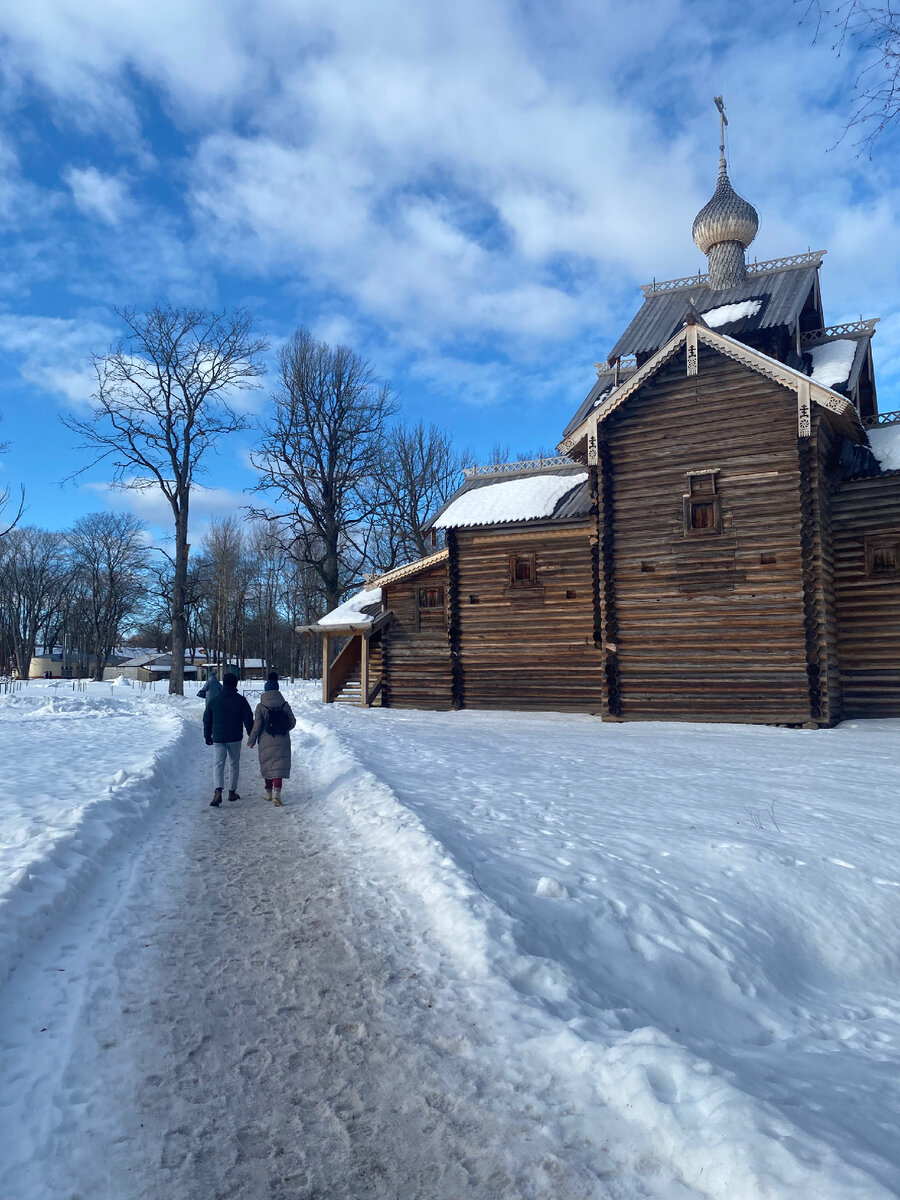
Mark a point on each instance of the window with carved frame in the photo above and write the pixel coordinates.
(522, 570)
(430, 607)
(702, 504)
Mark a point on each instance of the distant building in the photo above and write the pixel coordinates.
(147, 667)
(719, 539)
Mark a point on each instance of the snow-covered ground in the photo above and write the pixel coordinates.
(481, 955)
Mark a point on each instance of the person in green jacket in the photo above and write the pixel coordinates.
(225, 718)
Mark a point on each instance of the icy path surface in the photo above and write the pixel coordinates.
(233, 1011)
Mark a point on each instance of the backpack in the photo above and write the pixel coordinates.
(276, 723)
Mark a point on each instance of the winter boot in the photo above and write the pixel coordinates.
(276, 797)
(267, 794)
(217, 799)
(234, 796)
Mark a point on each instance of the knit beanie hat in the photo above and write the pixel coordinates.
(271, 682)
(230, 682)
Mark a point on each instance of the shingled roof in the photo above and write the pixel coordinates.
(555, 492)
(781, 293)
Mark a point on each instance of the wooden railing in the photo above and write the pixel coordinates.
(513, 468)
(840, 331)
(889, 418)
(811, 258)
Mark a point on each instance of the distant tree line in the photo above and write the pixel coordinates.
(344, 489)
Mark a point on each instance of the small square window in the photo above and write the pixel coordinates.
(702, 505)
(522, 570)
(883, 555)
(430, 608)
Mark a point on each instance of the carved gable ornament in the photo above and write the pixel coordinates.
(690, 338)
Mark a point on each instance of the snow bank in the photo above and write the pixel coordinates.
(726, 313)
(683, 936)
(885, 443)
(831, 362)
(102, 759)
(526, 499)
(353, 611)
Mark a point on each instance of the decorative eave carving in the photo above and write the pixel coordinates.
(761, 363)
(811, 258)
(833, 332)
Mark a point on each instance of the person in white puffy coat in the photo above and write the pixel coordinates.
(274, 749)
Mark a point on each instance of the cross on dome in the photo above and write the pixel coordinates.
(725, 227)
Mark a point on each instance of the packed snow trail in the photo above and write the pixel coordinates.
(233, 1012)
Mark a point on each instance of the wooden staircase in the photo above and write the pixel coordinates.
(351, 691)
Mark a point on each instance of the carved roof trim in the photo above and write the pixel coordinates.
(812, 258)
(761, 363)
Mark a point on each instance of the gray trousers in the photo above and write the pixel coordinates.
(231, 750)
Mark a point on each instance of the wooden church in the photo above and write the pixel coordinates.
(716, 542)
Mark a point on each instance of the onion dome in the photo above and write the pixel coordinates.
(726, 218)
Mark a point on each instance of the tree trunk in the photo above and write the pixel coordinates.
(179, 587)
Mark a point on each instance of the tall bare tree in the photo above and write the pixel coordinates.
(320, 452)
(419, 471)
(163, 399)
(109, 556)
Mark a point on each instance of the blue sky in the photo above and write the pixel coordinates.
(469, 194)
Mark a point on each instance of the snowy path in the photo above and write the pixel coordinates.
(232, 1011)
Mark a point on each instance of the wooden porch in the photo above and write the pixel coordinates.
(356, 674)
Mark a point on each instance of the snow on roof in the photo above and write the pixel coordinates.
(724, 314)
(526, 499)
(361, 609)
(832, 361)
(885, 443)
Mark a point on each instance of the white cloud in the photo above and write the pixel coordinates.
(148, 503)
(98, 195)
(440, 175)
(55, 353)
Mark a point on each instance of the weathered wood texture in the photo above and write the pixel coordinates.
(868, 606)
(709, 626)
(823, 449)
(416, 660)
(528, 646)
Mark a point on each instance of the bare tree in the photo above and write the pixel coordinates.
(32, 584)
(873, 30)
(109, 557)
(420, 470)
(4, 500)
(320, 453)
(224, 577)
(163, 400)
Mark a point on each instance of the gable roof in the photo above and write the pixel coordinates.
(781, 295)
(363, 610)
(409, 569)
(777, 371)
(606, 383)
(557, 492)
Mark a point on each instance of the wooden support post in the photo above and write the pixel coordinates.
(326, 668)
(364, 669)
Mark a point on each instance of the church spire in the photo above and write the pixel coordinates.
(725, 227)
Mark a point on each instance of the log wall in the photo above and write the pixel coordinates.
(868, 605)
(708, 626)
(416, 662)
(527, 647)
